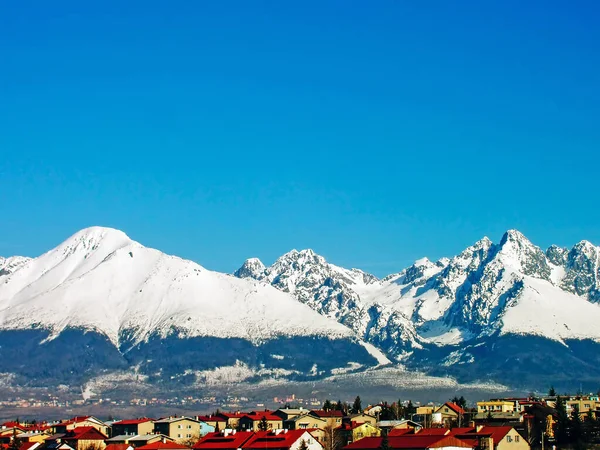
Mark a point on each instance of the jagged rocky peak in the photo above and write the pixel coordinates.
(252, 268)
(557, 255)
(518, 252)
(583, 271)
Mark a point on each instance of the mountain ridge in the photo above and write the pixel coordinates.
(437, 316)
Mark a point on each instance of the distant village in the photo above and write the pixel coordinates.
(496, 424)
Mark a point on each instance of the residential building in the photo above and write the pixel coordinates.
(181, 429)
(80, 438)
(282, 440)
(134, 427)
(411, 442)
(448, 414)
(492, 438)
(333, 418)
(224, 440)
(253, 420)
(81, 421)
(164, 445)
(356, 431)
(363, 418)
(139, 440)
(305, 422)
(493, 406)
(233, 419)
(215, 421)
(289, 413)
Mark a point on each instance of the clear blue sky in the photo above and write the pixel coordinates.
(373, 132)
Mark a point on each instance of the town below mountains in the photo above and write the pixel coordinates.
(495, 424)
(102, 313)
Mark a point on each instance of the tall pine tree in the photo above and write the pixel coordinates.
(357, 406)
(562, 421)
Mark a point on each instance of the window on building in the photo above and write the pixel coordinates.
(587, 405)
(359, 435)
(508, 439)
(178, 435)
(189, 427)
(179, 426)
(516, 438)
(188, 435)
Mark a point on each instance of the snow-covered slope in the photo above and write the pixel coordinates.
(488, 289)
(100, 279)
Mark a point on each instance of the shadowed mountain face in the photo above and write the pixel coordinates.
(102, 303)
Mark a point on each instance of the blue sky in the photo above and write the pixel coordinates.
(373, 132)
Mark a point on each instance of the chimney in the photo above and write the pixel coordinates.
(478, 428)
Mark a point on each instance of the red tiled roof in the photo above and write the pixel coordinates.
(134, 421)
(87, 433)
(28, 445)
(232, 415)
(454, 407)
(434, 432)
(471, 434)
(222, 440)
(271, 440)
(116, 447)
(267, 415)
(160, 445)
(211, 419)
(11, 425)
(400, 432)
(408, 442)
(323, 413)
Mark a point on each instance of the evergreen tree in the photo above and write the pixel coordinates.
(562, 421)
(339, 406)
(263, 425)
(410, 409)
(552, 392)
(303, 445)
(489, 418)
(462, 402)
(576, 428)
(327, 405)
(357, 405)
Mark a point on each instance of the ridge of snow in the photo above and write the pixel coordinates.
(100, 279)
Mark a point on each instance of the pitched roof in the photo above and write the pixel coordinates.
(496, 433)
(174, 419)
(434, 432)
(330, 413)
(274, 439)
(160, 445)
(211, 419)
(117, 447)
(29, 445)
(224, 440)
(133, 421)
(236, 415)
(454, 407)
(260, 415)
(408, 442)
(87, 433)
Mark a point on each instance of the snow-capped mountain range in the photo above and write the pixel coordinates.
(110, 303)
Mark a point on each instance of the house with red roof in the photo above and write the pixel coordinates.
(282, 440)
(334, 418)
(83, 438)
(138, 440)
(9, 428)
(411, 442)
(143, 425)
(81, 421)
(164, 445)
(119, 447)
(224, 440)
(232, 419)
(492, 437)
(182, 429)
(252, 421)
(215, 421)
(448, 415)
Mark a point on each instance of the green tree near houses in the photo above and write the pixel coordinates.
(303, 445)
(15, 444)
(562, 421)
(357, 405)
(551, 392)
(327, 406)
(263, 425)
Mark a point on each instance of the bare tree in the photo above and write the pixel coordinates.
(334, 438)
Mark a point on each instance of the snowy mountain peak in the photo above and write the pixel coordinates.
(252, 268)
(518, 253)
